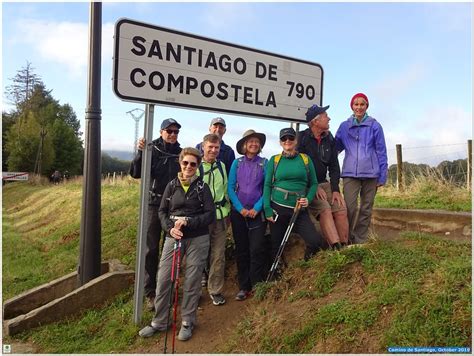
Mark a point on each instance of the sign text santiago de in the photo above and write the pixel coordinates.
(163, 66)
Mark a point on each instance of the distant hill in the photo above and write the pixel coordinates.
(122, 155)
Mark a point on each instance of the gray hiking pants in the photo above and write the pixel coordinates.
(195, 251)
(359, 223)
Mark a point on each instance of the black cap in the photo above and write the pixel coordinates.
(287, 132)
(314, 111)
(168, 122)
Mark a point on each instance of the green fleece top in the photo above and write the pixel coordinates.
(290, 175)
(218, 185)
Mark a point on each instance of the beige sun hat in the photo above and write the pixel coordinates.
(247, 135)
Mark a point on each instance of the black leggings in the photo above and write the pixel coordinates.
(303, 226)
(250, 248)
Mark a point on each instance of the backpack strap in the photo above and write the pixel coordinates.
(276, 161)
(218, 166)
(199, 189)
(305, 159)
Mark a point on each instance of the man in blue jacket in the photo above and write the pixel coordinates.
(365, 165)
(226, 153)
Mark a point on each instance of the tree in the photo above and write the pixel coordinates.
(40, 134)
(23, 150)
(112, 164)
(68, 147)
(8, 120)
(67, 114)
(23, 86)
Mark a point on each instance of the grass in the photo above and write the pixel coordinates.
(410, 292)
(415, 291)
(426, 192)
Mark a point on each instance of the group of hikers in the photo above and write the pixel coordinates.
(196, 192)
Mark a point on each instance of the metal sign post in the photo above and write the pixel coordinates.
(142, 224)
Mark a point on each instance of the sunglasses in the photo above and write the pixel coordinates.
(192, 164)
(170, 131)
(287, 138)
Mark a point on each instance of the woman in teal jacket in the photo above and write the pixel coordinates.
(290, 180)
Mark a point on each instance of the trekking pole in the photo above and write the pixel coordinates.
(276, 261)
(170, 303)
(176, 286)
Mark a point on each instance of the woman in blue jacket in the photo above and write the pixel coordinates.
(365, 165)
(245, 189)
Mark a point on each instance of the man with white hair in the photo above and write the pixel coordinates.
(328, 205)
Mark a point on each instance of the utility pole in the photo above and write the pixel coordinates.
(90, 241)
(137, 118)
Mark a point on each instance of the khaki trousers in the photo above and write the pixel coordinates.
(359, 223)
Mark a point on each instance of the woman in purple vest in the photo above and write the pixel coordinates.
(245, 189)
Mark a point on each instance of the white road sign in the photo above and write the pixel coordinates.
(153, 64)
(15, 175)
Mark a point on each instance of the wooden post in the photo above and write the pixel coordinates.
(469, 164)
(399, 168)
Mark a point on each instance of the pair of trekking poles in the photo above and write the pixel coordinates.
(276, 261)
(173, 299)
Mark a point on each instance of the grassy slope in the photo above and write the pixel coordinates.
(415, 292)
(425, 193)
(369, 297)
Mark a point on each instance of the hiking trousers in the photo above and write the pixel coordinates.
(249, 237)
(194, 251)
(359, 223)
(217, 234)
(152, 251)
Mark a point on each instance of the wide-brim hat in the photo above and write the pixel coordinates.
(247, 135)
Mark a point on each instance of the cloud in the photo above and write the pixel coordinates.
(393, 87)
(64, 43)
(225, 16)
(450, 17)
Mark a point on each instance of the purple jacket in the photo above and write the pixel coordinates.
(245, 185)
(365, 149)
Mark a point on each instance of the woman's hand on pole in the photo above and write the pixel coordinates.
(176, 233)
(303, 202)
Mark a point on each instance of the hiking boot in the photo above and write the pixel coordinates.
(242, 295)
(150, 303)
(337, 246)
(204, 280)
(186, 331)
(217, 299)
(148, 331)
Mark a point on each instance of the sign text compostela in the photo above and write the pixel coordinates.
(163, 66)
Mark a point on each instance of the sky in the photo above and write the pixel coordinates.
(412, 60)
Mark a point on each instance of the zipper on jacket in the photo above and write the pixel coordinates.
(357, 158)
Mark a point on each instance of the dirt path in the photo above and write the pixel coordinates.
(214, 323)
